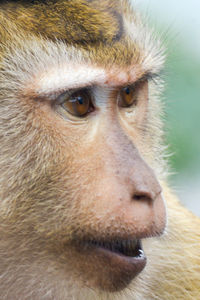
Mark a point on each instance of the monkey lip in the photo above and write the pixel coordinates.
(126, 255)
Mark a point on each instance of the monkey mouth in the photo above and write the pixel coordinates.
(121, 258)
(127, 248)
(113, 263)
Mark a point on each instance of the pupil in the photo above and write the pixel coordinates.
(80, 100)
(127, 90)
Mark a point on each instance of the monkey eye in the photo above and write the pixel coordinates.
(128, 96)
(78, 103)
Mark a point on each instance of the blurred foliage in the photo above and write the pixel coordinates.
(182, 97)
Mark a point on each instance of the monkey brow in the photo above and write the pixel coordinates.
(119, 80)
(50, 85)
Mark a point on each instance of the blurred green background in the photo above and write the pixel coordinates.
(178, 22)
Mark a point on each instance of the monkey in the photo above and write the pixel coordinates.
(86, 211)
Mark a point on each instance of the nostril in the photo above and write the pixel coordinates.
(143, 196)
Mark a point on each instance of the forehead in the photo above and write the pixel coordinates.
(75, 21)
(96, 26)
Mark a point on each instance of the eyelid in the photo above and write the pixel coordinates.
(147, 77)
(53, 97)
(69, 93)
(61, 98)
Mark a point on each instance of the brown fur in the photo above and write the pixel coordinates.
(62, 181)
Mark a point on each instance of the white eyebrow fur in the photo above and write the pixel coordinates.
(68, 76)
(46, 67)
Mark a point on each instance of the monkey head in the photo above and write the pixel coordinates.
(81, 138)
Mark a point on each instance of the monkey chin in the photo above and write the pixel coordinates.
(110, 265)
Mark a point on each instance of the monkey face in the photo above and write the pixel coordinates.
(97, 199)
(85, 192)
(125, 204)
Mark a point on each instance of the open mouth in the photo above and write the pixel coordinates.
(128, 248)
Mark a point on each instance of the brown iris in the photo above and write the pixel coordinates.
(127, 96)
(77, 104)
